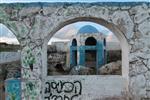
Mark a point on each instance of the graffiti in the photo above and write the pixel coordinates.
(31, 90)
(59, 90)
(31, 73)
(29, 59)
(13, 89)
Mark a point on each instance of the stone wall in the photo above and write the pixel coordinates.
(34, 24)
(81, 88)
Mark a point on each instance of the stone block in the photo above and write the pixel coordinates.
(144, 27)
(124, 22)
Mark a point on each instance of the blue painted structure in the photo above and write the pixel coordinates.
(13, 89)
(88, 29)
(73, 53)
(99, 47)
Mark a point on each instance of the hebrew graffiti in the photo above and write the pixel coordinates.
(62, 90)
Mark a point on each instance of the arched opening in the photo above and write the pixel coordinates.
(74, 53)
(90, 41)
(90, 55)
(120, 82)
(121, 37)
(105, 52)
(104, 42)
(74, 42)
(10, 64)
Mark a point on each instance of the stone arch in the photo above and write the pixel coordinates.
(112, 27)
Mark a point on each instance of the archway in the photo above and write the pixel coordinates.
(122, 80)
(10, 64)
(91, 41)
(121, 37)
(73, 57)
(90, 55)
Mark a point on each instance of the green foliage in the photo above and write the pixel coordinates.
(13, 96)
(29, 58)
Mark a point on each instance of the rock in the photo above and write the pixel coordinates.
(49, 10)
(28, 11)
(147, 75)
(111, 68)
(86, 71)
(140, 81)
(141, 13)
(42, 25)
(144, 27)
(141, 16)
(140, 67)
(137, 46)
(124, 22)
(148, 95)
(81, 70)
(148, 63)
(148, 85)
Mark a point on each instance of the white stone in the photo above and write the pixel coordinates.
(145, 49)
(28, 11)
(138, 9)
(141, 69)
(132, 57)
(143, 55)
(148, 85)
(142, 92)
(124, 22)
(19, 29)
(137, 45)
(141, 16)
(50, 10)
(148, 94)
(148, 63)
(147, 75)
(41, 28)
(144, 27)
(101, 12)
(140, 81)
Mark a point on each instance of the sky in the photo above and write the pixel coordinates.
(7, 36)
(12, 1)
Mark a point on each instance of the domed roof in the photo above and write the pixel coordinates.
(87, 29)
